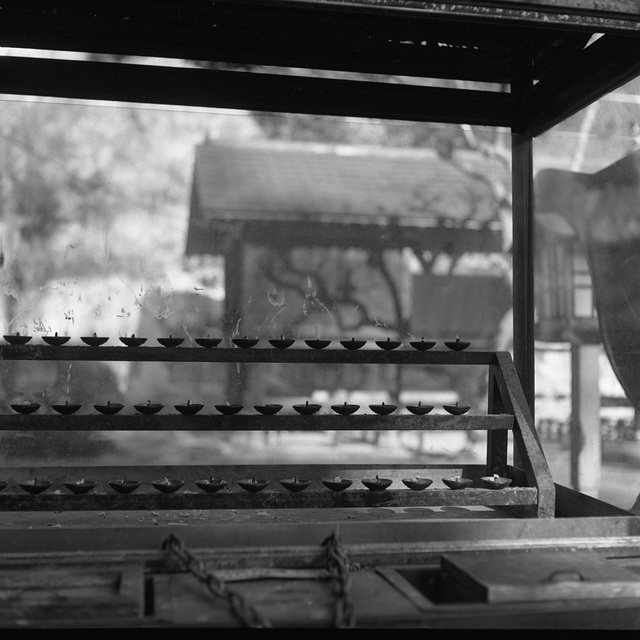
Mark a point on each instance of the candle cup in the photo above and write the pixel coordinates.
(124, 486)
(417, 484)
(282, 343)
(170, 341)
(457, 345)
(252, 485)
(56, 340)
(189, 409)
(94, 340)
(228, 409)
(34, 486)
(132, 341)
(455, 409)
(307, 408)
(423, 345)
(294, 484)
(108, 409)
(345, 409)
(457, 483)
(245, 343)
(65, 409)
(148, 409)
(383, 409)
(377, 484)
(353, 344)
(167, 485)
(318, 344)
(419, 409)
(495, 482)
(208, 343)
(80, 487)
(17, 339)
(388, 344)
(337, 484)
(25, 407)
(267, 409)
(211, 485)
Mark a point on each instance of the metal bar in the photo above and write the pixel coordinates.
(249, 543)
(275, 39)
(257, 422)
(257, 354)
(213, 229)
(253, 91)
(528, 452)
(575, 14)
(576, 83)
(497, 443)
(523, 267)
(145, 500)
(232, 472)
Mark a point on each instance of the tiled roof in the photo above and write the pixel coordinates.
(270, 180)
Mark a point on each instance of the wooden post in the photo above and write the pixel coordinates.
(586, 443)
(523, 299)
(497, 441)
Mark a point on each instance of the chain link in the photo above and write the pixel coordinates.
(340, 568)
(245, 613)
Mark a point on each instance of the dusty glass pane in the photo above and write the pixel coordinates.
(157, 222)
(586, 200)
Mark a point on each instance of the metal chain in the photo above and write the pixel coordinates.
(339, 567)
(245, 613)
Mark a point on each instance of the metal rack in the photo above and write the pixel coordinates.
(531, 492)
(545, 60)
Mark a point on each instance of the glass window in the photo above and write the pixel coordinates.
(586, 201)
(125, 220)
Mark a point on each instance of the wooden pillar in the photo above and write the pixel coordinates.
(523, 267)
(586, 439)
(497, 441)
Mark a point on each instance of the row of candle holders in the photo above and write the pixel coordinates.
(189, 408)
(244, 343)
(253, 485)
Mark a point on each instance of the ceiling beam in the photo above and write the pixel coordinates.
(562, 47)
(208, 236)
(580, 81)
(422, 58)
(253, 91)
(271, 34)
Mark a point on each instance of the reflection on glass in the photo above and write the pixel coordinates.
(198, 224)
(587, 287)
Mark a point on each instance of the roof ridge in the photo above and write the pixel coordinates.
(328, 148)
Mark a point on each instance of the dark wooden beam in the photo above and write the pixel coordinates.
(207, 237)
(265, 35)
(561, 48)
(580, 80)
(523, 266)
(435, 40)
(251, 91)
(594, 15)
